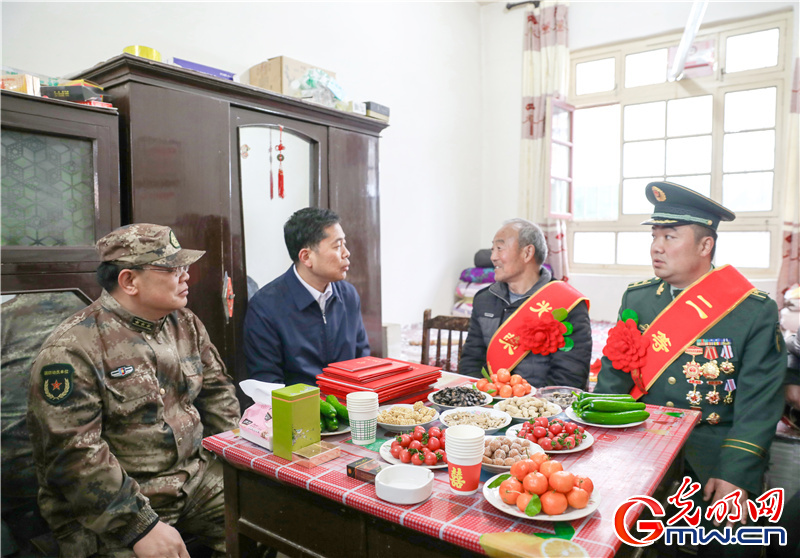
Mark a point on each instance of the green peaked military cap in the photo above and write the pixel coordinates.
(677, 205)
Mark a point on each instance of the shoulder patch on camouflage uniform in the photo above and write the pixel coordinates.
(643, 283)
(57, 381)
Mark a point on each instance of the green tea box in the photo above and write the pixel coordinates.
(295, 419)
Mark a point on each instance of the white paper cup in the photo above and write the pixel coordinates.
(363, 426)
(362, 401)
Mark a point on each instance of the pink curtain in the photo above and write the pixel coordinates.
(789, 273)
(545, 74)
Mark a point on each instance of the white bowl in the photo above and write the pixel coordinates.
(555, 409)
(404, 484)
(506, 418)
(487, 399)
(404, 427)
(548, 393)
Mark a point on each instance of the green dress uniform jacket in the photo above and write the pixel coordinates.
(732, 439)
(117, 409)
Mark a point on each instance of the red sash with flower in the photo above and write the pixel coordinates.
(533, 328)
(697, 309)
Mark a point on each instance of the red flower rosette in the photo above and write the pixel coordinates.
(544, 336)
(626, 347)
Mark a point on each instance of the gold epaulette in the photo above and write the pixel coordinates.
(760, 295)
(644, 283)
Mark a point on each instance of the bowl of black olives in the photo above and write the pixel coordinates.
(461, 396)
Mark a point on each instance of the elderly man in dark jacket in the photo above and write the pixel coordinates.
(518, 251)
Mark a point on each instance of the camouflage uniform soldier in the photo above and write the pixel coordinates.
(121, 396)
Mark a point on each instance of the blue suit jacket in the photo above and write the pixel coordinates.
(288, 340)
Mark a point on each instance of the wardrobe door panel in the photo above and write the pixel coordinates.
(354, 194)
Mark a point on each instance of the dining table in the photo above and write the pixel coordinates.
(321, 511)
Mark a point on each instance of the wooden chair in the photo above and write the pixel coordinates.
(440, 323)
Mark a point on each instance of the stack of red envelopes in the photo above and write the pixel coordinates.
(395, 380)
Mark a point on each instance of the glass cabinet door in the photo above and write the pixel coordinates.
(60, 182)
(47, 190)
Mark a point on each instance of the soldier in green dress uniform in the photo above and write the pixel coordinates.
(732, 372)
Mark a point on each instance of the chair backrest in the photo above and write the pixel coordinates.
(443, 323)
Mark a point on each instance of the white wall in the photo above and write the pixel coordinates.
(420, 59)
(591, 23)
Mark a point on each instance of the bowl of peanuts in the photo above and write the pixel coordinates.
(402, 417)
(522, 409)
(490, 420)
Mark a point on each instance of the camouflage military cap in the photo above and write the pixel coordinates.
(677, 205)
(143, 243)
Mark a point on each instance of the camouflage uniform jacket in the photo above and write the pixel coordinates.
(117, 409)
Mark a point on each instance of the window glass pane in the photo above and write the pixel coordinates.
(596, 163)
(559, 196)
(646, 68)
(743, 249)
(748, 151)
(645, 121)
(561, 124)
(595, 77)
(699, 183)
(47, 190)
(643, 158)
(688, 117)
(750, 110)
(689, 155)
(751, 51)
(747, 192)
(559, 162)
(634, 200)
(593, 247)
(633, 248)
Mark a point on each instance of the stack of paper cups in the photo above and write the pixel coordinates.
(362, 406)
(465, 447)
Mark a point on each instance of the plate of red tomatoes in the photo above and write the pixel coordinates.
(539, 488)
(504, 384)
(422, 447)
(554, 435)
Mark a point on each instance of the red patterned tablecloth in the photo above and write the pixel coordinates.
(621, 463)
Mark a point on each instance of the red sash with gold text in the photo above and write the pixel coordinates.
(696, 310)
(504, 350)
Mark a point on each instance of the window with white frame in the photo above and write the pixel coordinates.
(718, 130)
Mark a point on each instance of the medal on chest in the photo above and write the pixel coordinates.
(691, 369)
(730, 386)
(694, 397)
(713, 396)
(727, 354)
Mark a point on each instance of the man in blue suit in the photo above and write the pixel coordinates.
(308, 317)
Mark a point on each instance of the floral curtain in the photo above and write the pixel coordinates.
(789, 273)
(545, 74)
